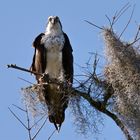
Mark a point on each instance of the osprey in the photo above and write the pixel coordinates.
(53, 57)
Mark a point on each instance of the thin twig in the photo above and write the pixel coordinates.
(95, 64)
(28, 124)
(39, 129)
(109, 20)
(25, 80)
(80, 75)
(52, 134)
(94, 25)
(19, 108)
(118, 15)
(138, 31)
(128, 22)
(38, 121)
(18, 119)
(121, 12)
(134, 41)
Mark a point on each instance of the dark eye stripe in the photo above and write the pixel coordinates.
(50, 19)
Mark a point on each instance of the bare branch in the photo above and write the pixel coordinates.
(128, 22)
(28, 124)
(22, 69)
(25, 80)
(121, 12)
(96, 60)
(94, 25)
(119, 123)
(134, 41)
(19, 108)
(18, 119)
(52, 134)
(39, 129)
(100, 107)
(38, 121)
(109, 20)
(117, 15)
(138, 31)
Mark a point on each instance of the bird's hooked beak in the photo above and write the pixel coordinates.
(53, 19)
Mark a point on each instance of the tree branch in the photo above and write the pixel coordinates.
(18, 119)
(101, 107)
(127, 22)
(28, 124)
(94, 25)
(39, 129)
(22, 69)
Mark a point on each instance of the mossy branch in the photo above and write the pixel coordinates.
(102, 108)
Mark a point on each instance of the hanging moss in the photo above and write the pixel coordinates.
(123, 73)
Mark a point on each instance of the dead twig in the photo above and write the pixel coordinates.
(120, 13)
(38, 121)
(39, 129)
(117, 15)
(18, 119)
(25, 80)
(22, 69)
(134, 41)
(94, 25)
(52, 134)
(28, 124)
(28, 127)
(19, 108)
(128, 22)
(137, 34)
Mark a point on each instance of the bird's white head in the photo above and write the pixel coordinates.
(54, 24)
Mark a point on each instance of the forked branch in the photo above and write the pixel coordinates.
(29, 127)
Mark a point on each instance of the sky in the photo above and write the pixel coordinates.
(22, 21)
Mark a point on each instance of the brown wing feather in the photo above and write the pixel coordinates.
(68, 59)
(39, 58)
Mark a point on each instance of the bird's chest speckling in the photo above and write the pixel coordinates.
(54, 46)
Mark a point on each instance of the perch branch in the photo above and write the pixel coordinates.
(22, 69)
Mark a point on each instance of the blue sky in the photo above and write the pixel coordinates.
(22, 21)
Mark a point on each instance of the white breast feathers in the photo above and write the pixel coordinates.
(54, 45)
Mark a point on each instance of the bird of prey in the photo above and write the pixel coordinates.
(53, 59)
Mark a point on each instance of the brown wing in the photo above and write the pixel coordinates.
(67, 59)
(39, 58)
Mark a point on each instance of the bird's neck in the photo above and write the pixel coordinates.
(53, 31)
